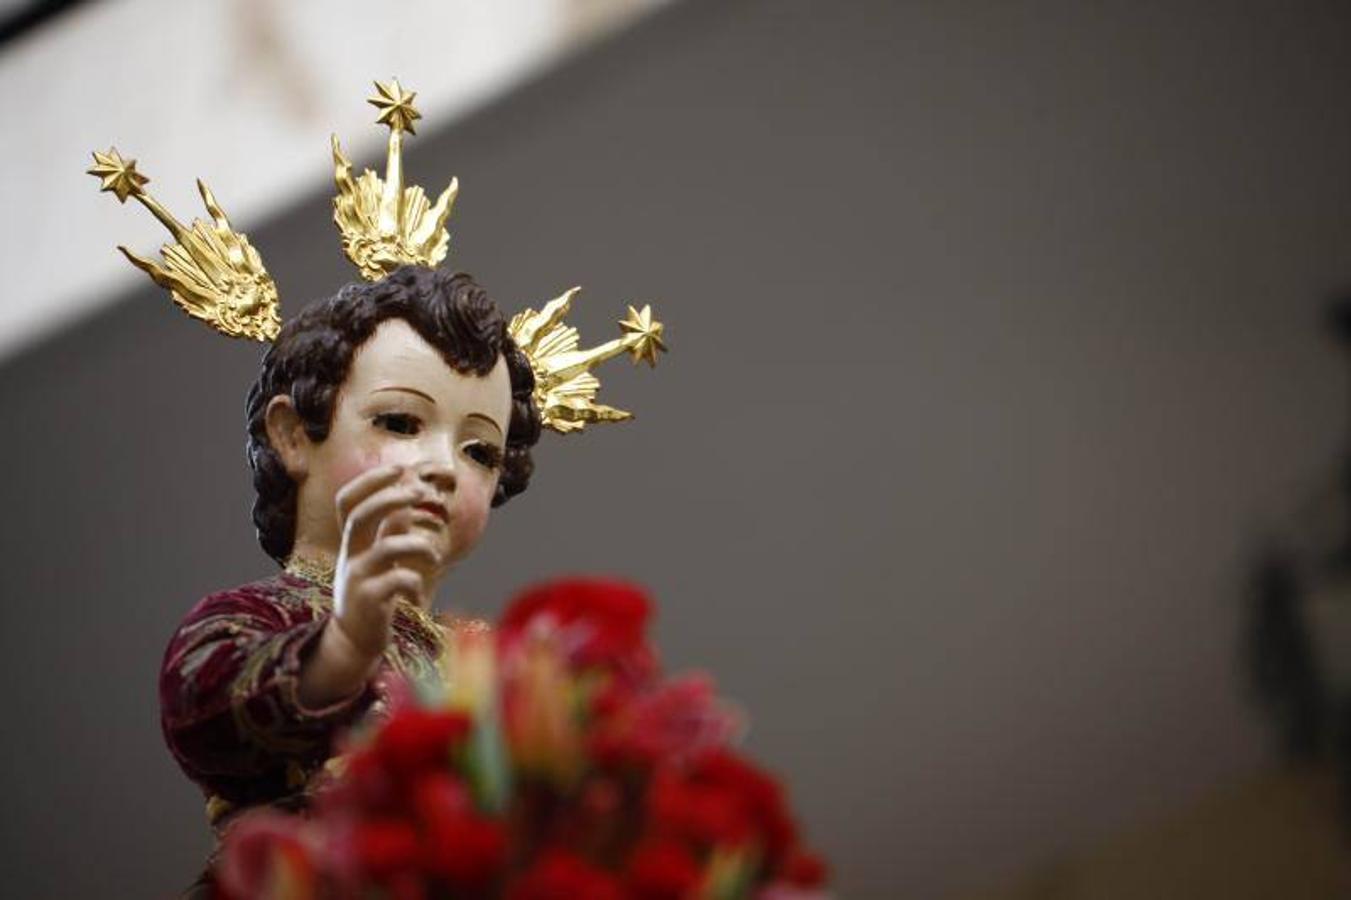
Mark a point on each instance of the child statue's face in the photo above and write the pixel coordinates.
(402, 405)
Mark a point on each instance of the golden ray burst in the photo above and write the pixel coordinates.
(212, 271)
(565, 388)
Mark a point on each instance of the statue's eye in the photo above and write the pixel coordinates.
(397, 423)
(486, 455)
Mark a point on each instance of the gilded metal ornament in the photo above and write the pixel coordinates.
(565, 389)
(384, 224)
(214, 274)
(212, 271)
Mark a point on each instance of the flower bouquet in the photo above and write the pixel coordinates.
(552, 760)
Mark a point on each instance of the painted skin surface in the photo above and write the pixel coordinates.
(396, 494)
(403, 406)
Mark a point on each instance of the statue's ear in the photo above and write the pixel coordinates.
(286, 434)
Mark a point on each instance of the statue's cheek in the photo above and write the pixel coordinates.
(469, 520)
(354, 460)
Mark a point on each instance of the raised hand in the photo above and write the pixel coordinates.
(381, 558)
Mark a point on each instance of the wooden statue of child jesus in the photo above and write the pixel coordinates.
(384, 424)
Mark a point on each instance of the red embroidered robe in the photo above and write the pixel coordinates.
(229, 702)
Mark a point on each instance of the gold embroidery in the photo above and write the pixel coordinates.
(296, 776)
(320, 572)
(248, 684)
(216, 807)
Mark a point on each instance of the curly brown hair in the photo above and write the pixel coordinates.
(310, 359)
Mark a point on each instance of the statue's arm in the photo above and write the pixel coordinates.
(231, 701)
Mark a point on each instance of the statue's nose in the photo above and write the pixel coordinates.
(438, 473)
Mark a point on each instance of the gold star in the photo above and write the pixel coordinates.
(395, 105)
(649, 334)
(119, 175)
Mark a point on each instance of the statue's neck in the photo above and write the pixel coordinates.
(318, 564)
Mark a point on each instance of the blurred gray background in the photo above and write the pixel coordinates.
(995, 349)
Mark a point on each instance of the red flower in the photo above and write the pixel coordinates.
(560, 875)
(415, 739)
(662, 870)
(672, 722)
(602, 799)
(601, 623)
(256, 847)
(611, 699)
(760, 792)
(406, 886)
(366, 783)
(803, 868)
(439, 796)
(385, 847)
(468, 851)
(456, 843)
(600, 761)
(706, 815)
(723, 799)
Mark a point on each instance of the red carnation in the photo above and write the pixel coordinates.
(662, 870)
(706, 815)
(405, 886)
(415, 739)
(383, 847)
(672, 722)
(468, 851)
(606, 782)
(366, 783)
(560, 875)
(758, 794)
(602, 624)
(439, 796)
(805, 869)
(721, 799)
(255, 847)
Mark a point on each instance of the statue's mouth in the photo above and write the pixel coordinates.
(435, 508)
